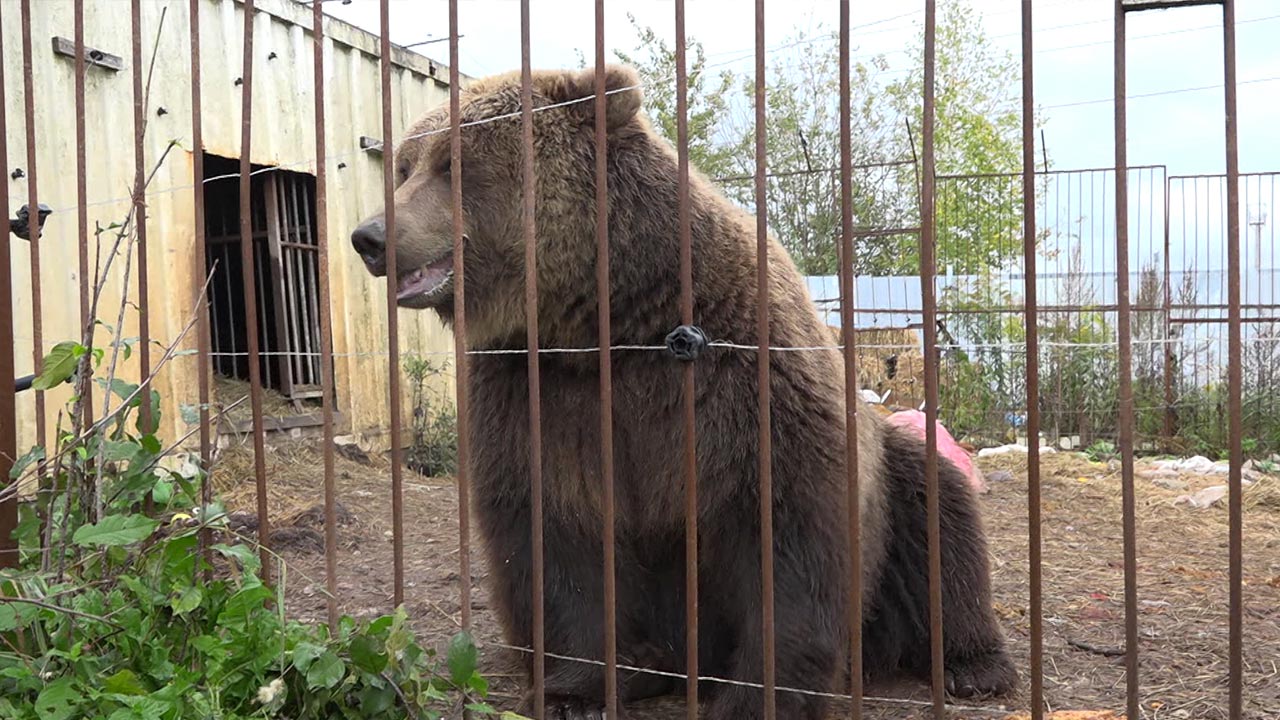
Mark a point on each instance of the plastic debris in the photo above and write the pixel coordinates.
(1204, 498)
(947, 446)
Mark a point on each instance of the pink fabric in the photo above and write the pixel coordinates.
(947, 446)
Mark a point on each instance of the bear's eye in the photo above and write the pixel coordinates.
(444, 166)
(402, 172)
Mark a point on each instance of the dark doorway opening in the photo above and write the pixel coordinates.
(286, 277)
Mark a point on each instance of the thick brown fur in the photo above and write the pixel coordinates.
(807, 411)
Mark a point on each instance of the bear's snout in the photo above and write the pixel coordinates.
(370, 240)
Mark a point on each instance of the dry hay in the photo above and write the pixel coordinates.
(227, 391)
(873, 348)
(1181, 573)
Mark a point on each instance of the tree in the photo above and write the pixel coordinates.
(707, 96)
(977, 131)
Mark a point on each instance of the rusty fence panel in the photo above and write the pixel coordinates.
(529, 228)
(37, 317)
(321, 231)
(248, 266)
(8, 391)
(1031, 319)
(849, 339)
(1147, 323)
(606, 371)
(690, 387)
(393, 321)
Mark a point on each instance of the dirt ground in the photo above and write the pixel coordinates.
(1181, 571)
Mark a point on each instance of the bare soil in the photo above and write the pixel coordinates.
(1182, 584)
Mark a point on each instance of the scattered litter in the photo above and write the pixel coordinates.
(1204, 498)
(1199, 465)
(947, 446)
(1012, 448)
(1169, 483)
(999, 476)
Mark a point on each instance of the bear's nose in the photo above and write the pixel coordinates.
(369, 240)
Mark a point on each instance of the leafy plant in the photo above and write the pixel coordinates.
(127, 615)
(434, 450)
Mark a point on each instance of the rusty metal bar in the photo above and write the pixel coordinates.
(321, 234)
(1169, 420)
(1126, 418)
(529, 230)
(690, 387)
(606, 373)
(35, 241)
(248, 262)
(85, 383)
(8, 391)
(765, 440)
(393, 320)
(1235, 420)
(928, 263)
(200, 270)
(462, 361)
(1033, 361)
(850, 338)
(140, 219)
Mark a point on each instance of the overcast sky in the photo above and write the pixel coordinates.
(1168, 51)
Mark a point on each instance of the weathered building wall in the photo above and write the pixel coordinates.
(283, 127)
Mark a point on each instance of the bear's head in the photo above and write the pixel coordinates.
(492, 157)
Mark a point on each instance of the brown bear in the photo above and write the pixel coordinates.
(807, 412)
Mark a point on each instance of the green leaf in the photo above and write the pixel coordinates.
(124, 682)
(162, 493)
(305, 654)
(115, 530)
(187, 601)
(461, 658)
(367, 655)
(327, 671)
(375, 701)
(115, 450)
(59, 365)
(151, 444)
(123, 390)
(155, 415)
(247, 558)
(58, 700)
(34, 455)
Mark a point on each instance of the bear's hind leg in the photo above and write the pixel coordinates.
(974, 657)
(808, 621)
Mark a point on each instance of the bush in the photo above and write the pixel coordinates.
(120, 615)
(434, 450)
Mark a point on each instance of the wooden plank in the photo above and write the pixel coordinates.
(277, 281)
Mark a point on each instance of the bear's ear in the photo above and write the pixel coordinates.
(622, 88)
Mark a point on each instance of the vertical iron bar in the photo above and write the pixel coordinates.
(606, 372)
(248, 262)
(847, 302)
(1033, 360)
(461, 360)
(82, 222)
(1235, 420)
(1126, 369)
(37, 319)
(765, 456)
(8, 392)
(690, 389)
(930, 307)
(140, 217)
(529, 186)
(201, 269)
(393, 320)
(321, 234)
(1168, 322)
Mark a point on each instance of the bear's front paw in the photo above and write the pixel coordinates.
(568, 707)
(981, 675)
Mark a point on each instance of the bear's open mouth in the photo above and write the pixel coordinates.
(427, 281)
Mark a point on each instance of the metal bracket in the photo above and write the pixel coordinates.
(93, 56)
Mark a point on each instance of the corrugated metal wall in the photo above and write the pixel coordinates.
(283, 127)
